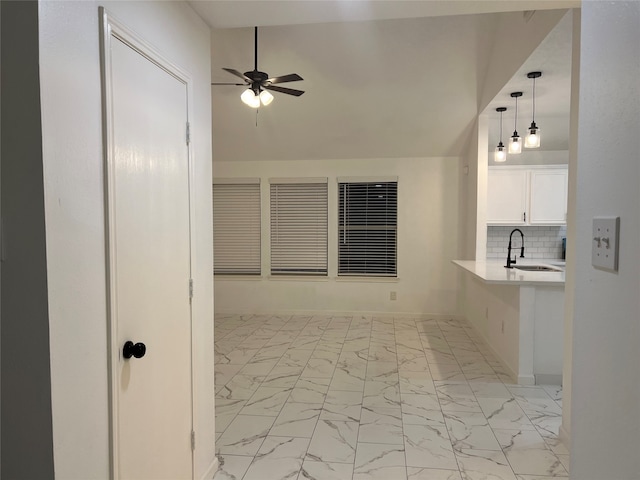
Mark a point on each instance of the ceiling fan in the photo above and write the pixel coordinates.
(259, 83)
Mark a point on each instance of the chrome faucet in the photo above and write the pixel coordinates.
(509, 261)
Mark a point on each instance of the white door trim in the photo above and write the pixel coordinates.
(111, 28)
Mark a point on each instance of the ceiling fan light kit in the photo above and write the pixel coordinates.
(259, 82)
(249, 98)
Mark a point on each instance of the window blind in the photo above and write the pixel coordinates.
(236, 228)
(299, 228)
(367, 228)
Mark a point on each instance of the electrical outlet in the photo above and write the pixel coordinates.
(604, 250)
(502, 326)
(486, 313)
(392, 296)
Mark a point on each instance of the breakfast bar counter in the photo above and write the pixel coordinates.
(519, 314)
(493, 271)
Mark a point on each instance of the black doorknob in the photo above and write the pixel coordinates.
(130, 350)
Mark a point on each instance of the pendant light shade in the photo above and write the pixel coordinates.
(533, 133)
(250, 98)
(515, 143)
(265, 97)
(500, 155)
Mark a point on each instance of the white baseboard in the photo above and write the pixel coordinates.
(564, 437)
(526, 380)
(211, 471)
(548, 379)
(417, 315)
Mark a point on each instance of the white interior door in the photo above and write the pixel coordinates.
(149, 267)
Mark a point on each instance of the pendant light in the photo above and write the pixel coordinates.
(500, 154)
(533, 136)
(515, 145)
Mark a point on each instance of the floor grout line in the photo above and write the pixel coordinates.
(326, 329)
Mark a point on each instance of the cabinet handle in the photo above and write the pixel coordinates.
(524, 216)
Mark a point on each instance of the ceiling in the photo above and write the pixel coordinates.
(553, 92)
(248, 13)
(388, 79)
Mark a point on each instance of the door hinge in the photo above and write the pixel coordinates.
(193, 440)
(190, 288)
(188, 133)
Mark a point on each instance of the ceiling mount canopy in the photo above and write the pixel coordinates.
(259, 82)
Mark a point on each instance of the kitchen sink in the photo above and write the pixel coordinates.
(536, 268)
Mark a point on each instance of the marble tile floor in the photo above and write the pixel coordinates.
(364, 398)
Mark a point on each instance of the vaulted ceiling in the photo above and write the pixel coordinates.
(377, 85)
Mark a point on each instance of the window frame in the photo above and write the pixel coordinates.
(279, 260)
(252, 258)
(369, 271)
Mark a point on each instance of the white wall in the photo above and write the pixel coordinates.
(548, 334)
(469, 195)
(605, 426)
(535, 157)
(522, 324)
(516, 38)
(570, 282)
(427, 241)
(487, 308)
(73, 179)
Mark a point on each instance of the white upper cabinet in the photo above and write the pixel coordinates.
(548, 204)
(527, 195)
(507, 196)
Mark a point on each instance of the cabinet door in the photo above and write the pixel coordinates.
(548, 197)
(506, 196)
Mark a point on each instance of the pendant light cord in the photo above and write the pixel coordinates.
(515, 118)
(500, 127)
(533, 117)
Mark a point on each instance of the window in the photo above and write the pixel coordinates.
(236, 226)
(367, 228)
(299, 226)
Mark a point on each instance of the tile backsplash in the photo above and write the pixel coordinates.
(539, 242)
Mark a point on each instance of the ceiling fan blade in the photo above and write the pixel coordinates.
(237, 74)
(288, 91)
(292, 77)
(236, 84)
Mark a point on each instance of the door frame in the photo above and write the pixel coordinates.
(111, 28)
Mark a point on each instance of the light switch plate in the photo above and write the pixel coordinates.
(604, 250)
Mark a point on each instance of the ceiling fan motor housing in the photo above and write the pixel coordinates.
(258, 80)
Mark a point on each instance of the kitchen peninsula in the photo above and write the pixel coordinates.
(519, 314)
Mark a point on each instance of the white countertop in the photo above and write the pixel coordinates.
(494, 271)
